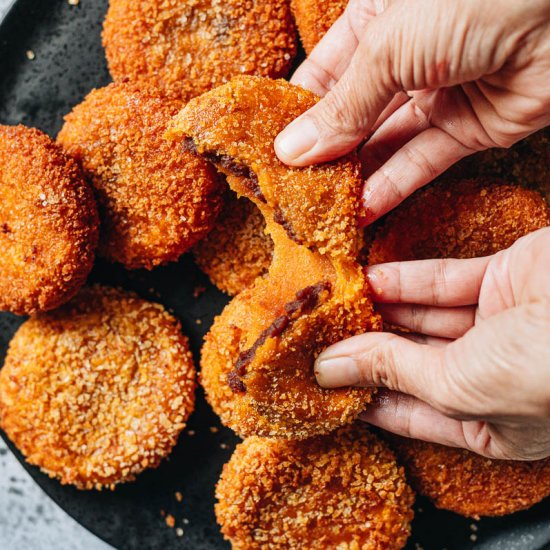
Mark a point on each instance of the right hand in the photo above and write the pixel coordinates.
(475, 373)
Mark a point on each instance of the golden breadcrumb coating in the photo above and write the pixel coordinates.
(459, 219)
(188, 47)
(526, 163)
(155, 200)
(238, 250)
(469, 484)
(48, 223)
(314, 18)
(235, 125)
(342, 491)
(257, 361)
(98, 390)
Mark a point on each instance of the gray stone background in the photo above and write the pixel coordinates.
(29, 520)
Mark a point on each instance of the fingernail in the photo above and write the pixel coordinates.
(335, 372)
(369, 214)
(297, 138)
(374, 277)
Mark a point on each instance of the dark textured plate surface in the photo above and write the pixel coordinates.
(68, 62)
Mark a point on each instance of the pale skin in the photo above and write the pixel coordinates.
(475, 373)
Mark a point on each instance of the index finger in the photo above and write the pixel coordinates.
(441, 282)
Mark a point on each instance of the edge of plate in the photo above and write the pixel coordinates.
(7, 11)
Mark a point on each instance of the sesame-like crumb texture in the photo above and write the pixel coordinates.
(98, 390)
(239, 121)
(459, 219)
(469, 484)
(238, 250)
(48, 223)
(527, 163)
(314, 18)
(155, 200)
(342, 491)
(188, 47)
(257, 361)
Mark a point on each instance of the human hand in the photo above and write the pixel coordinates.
(475, 372)
(476, 76)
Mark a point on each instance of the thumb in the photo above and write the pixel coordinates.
(497, 369)
(342, 119)
(385, 360)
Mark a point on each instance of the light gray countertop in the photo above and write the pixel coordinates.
(29, 520)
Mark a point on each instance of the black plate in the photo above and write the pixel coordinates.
(69, 62)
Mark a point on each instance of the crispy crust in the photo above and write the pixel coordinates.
(527, 163)
(48, 223)
(469, 484)
(235, 125)
(459, 219)
(312, 216)
(314, 19)
(340, 491)
(98, 390)
(187, 48)
(155, 201)
(238, 250)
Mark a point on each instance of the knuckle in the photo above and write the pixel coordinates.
(321, 74)
(342, 113)
(406, 412)
(359, 12)
(417, 316)
(440, 280)
(448, 400)
(380, 361)
(417, 158)
(392, 183)
(418, 113)
(477, 437)
(400, 284)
